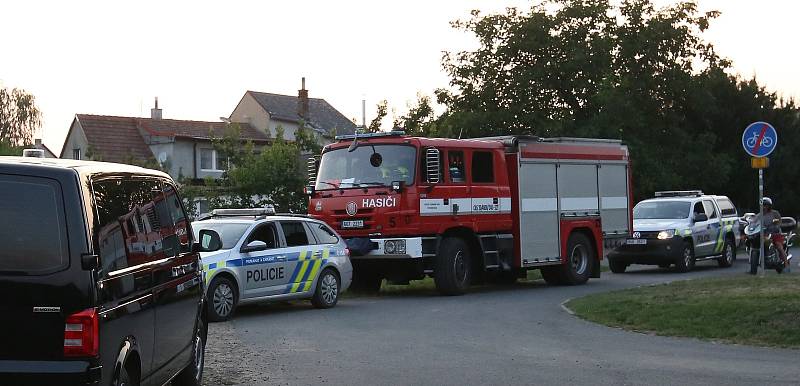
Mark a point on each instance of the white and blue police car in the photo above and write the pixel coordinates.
(269, 257)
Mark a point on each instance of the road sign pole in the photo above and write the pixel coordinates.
(761, 266)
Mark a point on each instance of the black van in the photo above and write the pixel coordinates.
(100, 276)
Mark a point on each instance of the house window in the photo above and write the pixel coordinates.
(212, 161)
(76, 153)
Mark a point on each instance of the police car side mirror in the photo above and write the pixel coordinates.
(700, 217)
(207, 241)
(254, 246)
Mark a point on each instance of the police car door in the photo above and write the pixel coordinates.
(303, 258)
(714, 228)
(701, 231)
(263, 272)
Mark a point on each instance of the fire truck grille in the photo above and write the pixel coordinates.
(364, 214)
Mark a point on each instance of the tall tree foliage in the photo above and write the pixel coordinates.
(19, 117)
(624, 70)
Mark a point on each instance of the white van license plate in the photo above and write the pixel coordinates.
(636, 242)
(352, 224)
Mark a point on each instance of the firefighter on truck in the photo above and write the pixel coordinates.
(472, 210)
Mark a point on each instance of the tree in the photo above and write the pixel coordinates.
(382, 109)
(271, 175)
(19, 117)
(622, 70)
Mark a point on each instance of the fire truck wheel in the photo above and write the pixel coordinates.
(453, 267)
(366, 282)
(580, 257)
(553, 275)
(616, 266)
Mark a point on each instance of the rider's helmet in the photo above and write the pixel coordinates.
(766, 201)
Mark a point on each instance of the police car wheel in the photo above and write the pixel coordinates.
(728, 254)
(327, 293)
(453, 270)
(685, 261)
(580, 257)
(222, 299)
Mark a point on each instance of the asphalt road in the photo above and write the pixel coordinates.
(494, 335)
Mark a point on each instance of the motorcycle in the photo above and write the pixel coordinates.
(771, 258)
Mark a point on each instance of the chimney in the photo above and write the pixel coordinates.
(302, 101)
(155, 112)
(38, 142)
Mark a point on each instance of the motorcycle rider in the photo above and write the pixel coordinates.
(770, 221)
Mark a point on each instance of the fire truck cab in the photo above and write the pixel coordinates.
(472, 210)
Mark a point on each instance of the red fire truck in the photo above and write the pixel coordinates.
(472, 210)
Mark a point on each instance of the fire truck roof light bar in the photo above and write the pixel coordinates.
(371, 135)
(680, 193)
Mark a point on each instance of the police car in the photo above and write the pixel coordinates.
(680, 228)
(268, 257)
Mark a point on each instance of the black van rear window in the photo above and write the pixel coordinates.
(32, 228)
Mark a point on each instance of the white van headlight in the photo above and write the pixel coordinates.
(667, 234)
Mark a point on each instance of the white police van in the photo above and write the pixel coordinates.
(269, 257)
(680, 228)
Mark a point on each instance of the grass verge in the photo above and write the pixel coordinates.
(742, 309)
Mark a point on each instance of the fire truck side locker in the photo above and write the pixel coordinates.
(563, 182)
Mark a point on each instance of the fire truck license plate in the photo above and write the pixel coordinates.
(636, 242)
(350, 224)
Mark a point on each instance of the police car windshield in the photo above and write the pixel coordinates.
(368, 165)
(230, 233)
(661, 210)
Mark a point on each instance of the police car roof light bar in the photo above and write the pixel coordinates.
(256, 212)
(371, 135)
(679, 193)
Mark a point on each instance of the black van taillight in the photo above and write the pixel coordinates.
(81, 334)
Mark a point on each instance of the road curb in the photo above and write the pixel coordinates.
(565, 308)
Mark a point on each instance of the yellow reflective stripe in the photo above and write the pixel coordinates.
(326, 253)
(311, 277)
(300, 275)
(302, 255)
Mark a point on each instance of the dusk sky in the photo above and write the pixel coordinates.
(198, 57)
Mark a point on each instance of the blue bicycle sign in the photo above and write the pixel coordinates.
(759, 139)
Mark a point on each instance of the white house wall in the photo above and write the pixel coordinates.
(249, 111)
(75, 140)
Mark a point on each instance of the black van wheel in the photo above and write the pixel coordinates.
(124, 378)
(453, 267)
(222, 298)
(192, 375)
(327, 293)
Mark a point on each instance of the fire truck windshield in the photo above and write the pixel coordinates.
(368, 165)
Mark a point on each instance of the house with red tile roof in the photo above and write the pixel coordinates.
(182, 147)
